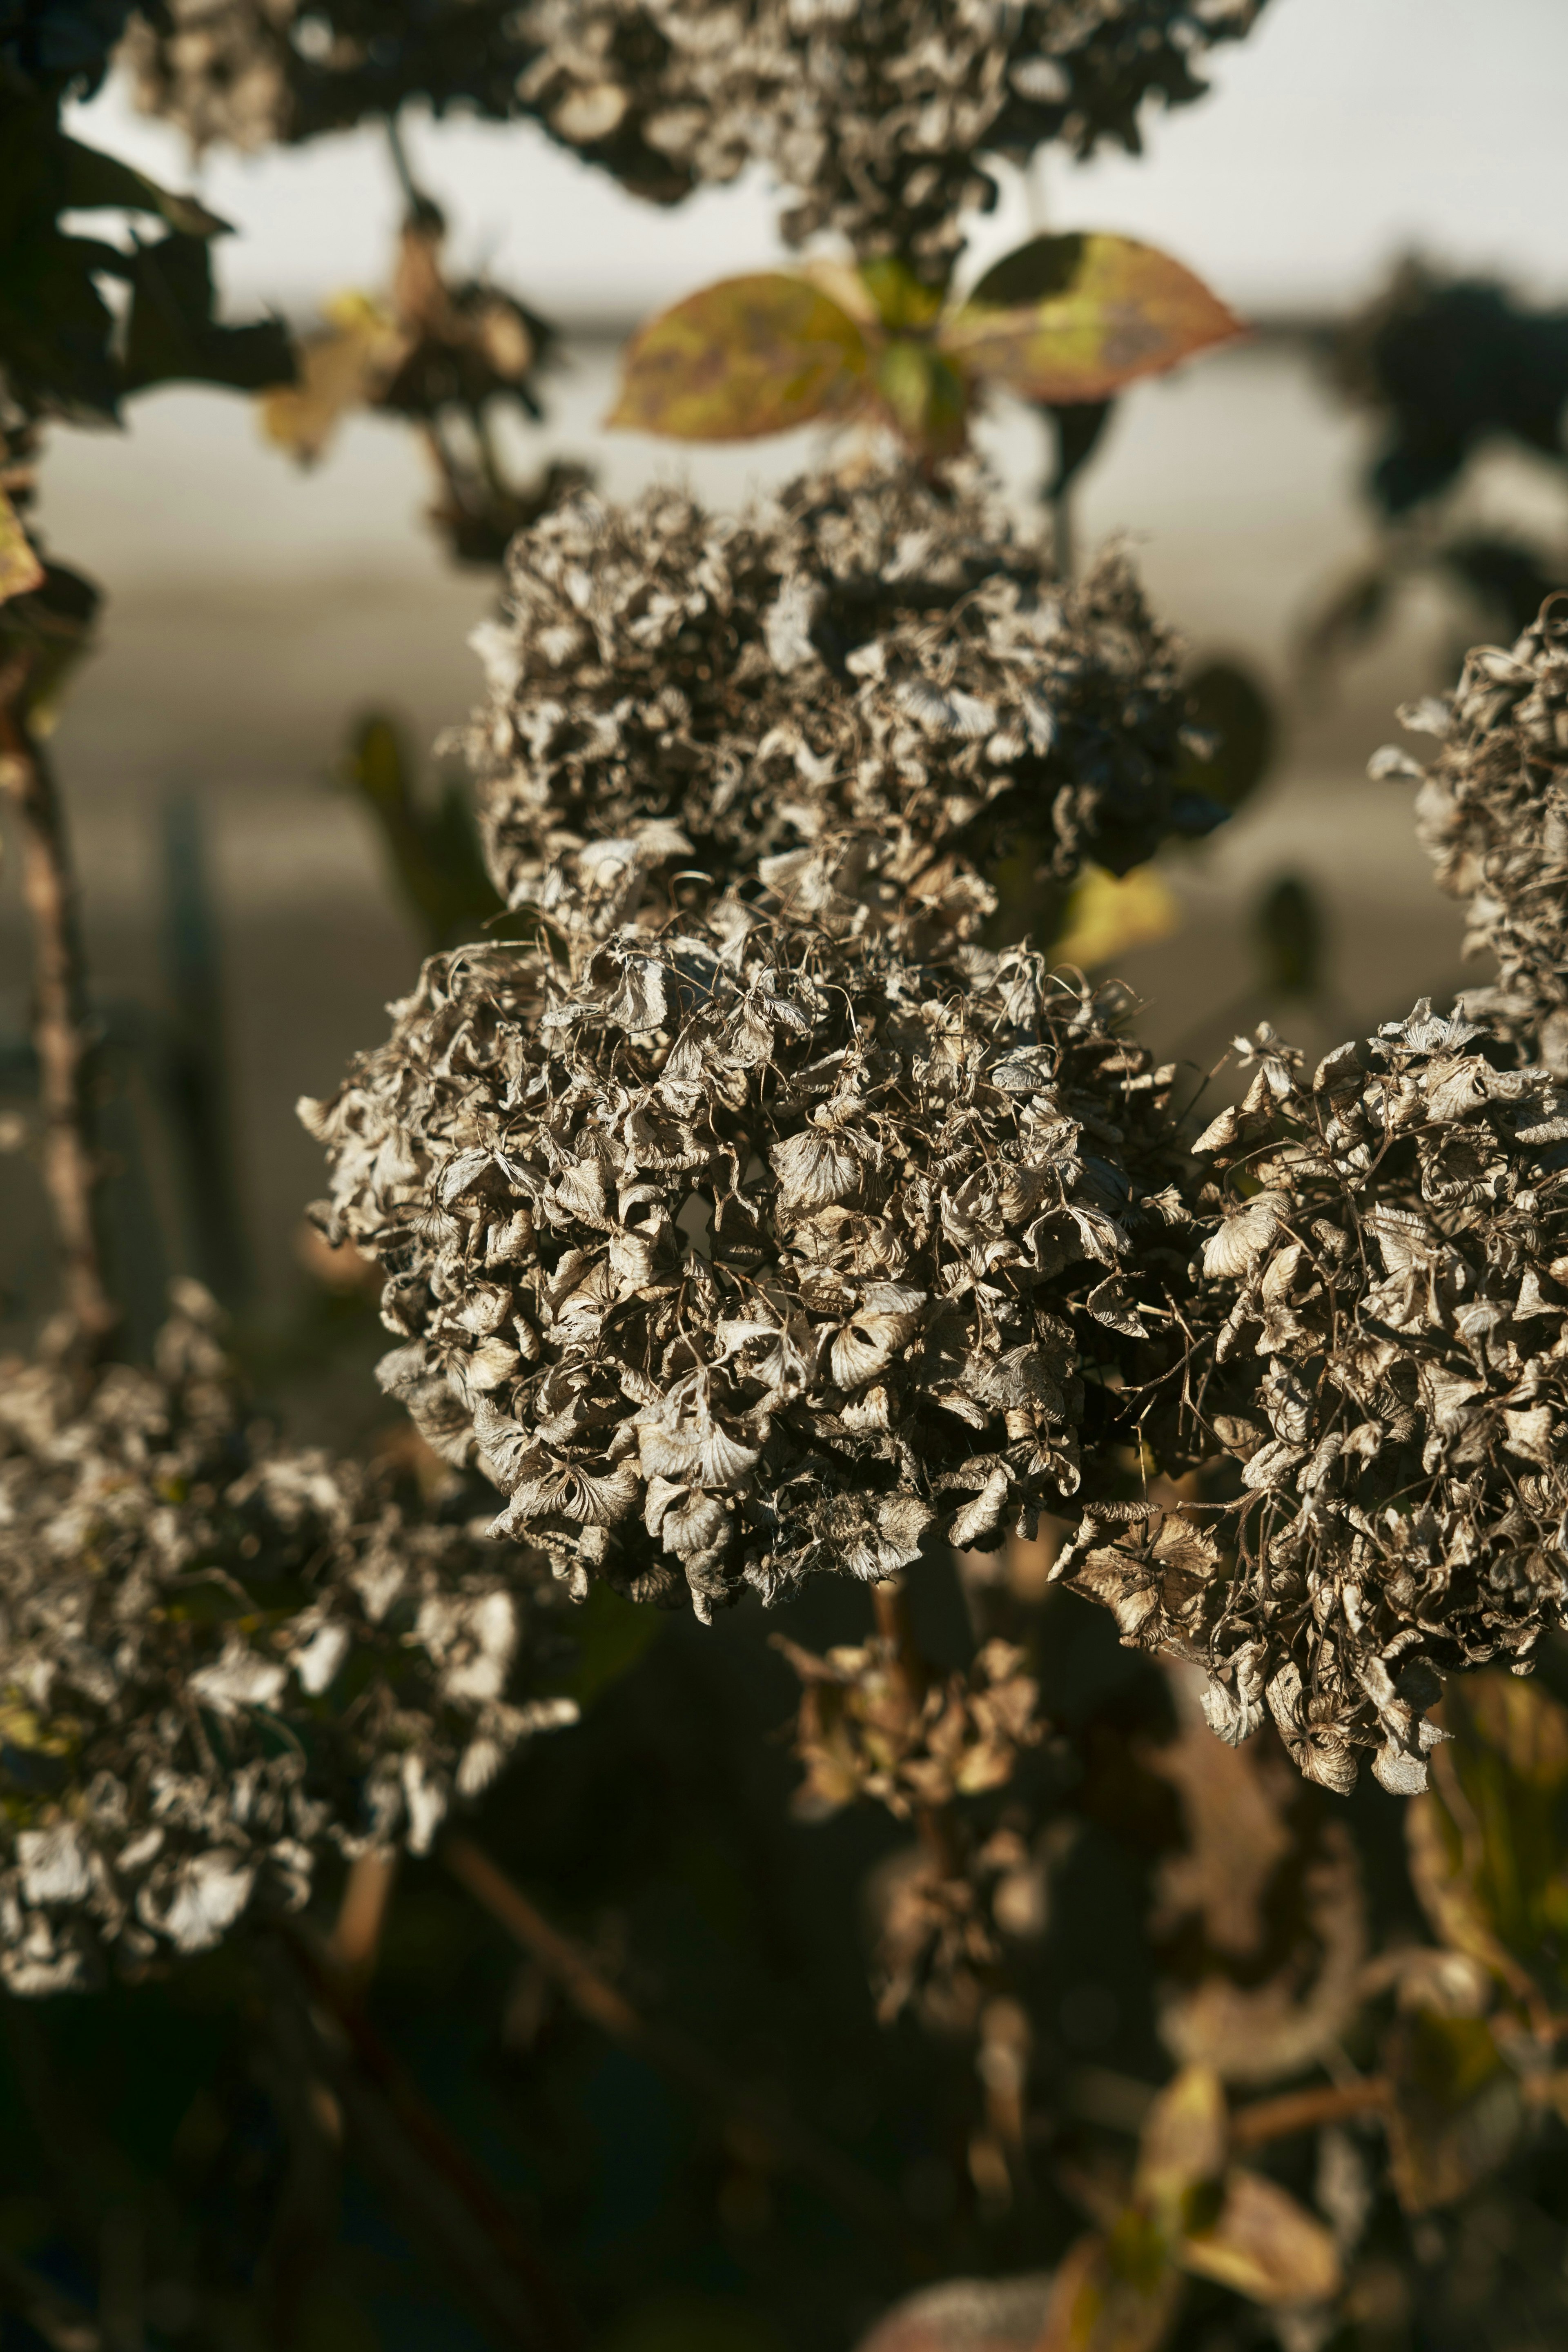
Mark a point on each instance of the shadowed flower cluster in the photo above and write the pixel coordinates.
(222, 1659)
(1384, 1360)
(862, 693)
(746, 1254)
(872, 116)
(1493, 811)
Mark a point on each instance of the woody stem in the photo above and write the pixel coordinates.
(62, 1034)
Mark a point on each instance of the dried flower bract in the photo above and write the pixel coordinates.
(220, 1658)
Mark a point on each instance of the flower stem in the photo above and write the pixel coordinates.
(62, 1034)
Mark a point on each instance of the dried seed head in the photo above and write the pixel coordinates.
(747, 1253)
(855, 696)
(1381, 1308)
(220, 1658)
(1493, 811)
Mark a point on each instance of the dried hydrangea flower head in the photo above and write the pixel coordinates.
(1386, 1289)
(221, 70)
(746, 1253)
(221, 1658)
(875, 115)
(861, 691)
(1493, 811)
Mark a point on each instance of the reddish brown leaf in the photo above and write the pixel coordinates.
(1075, 318)
(751, 355)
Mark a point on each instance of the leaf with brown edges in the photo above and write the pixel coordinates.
(1075, 318)
(748, 356)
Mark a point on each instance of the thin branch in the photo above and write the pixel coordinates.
(403, 2145)
(58, 2318)
(1298, 2111)
(665, 2047)
(61, 1028)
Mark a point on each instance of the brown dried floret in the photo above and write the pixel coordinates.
(220, 1658)
(874, 113)
(1382, 1355)
(861, 1732)
(746, 1254)
(859, 694)
(1493, 813)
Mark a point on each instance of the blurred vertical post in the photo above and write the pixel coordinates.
(62, 1034)
(196, 1075)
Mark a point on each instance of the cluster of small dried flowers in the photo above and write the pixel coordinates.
(873, 113)
(1383, 1353)
(853, 696)
(872, 116)
(745, 1253)
(222, 1659)
(1493, 811)
(863, 1731)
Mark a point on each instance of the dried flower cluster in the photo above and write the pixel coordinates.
(747, 1253)
(221, 70)
(222, 1658)
(1493, 811)
(860, 693)
(862, 1732)
(1385, 1359)
(872, 116)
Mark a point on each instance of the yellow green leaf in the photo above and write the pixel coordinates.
(901, 300)
(1075, 318)
(1488, 1845)
(1182, 2150)
(20, 571)
(1262, 2243)
(924, 394)
(340, 369)
(1455, 2108)
(748, 356)
(1108, 913)
(1094, 2307)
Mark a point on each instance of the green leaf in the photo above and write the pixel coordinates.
(20, 571)
(1488, 1845)
(1182, 2151)
(925, 396)
(749, 356)
(1105, 2300)
(1075, 318)
(901, 300)
(1454, 2110)
(93, 181)
(172, 336)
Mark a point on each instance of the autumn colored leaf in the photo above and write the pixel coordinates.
(339, 370)
(20, 571)
(1075, 318)
(748, 356)
(1263, 2244)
